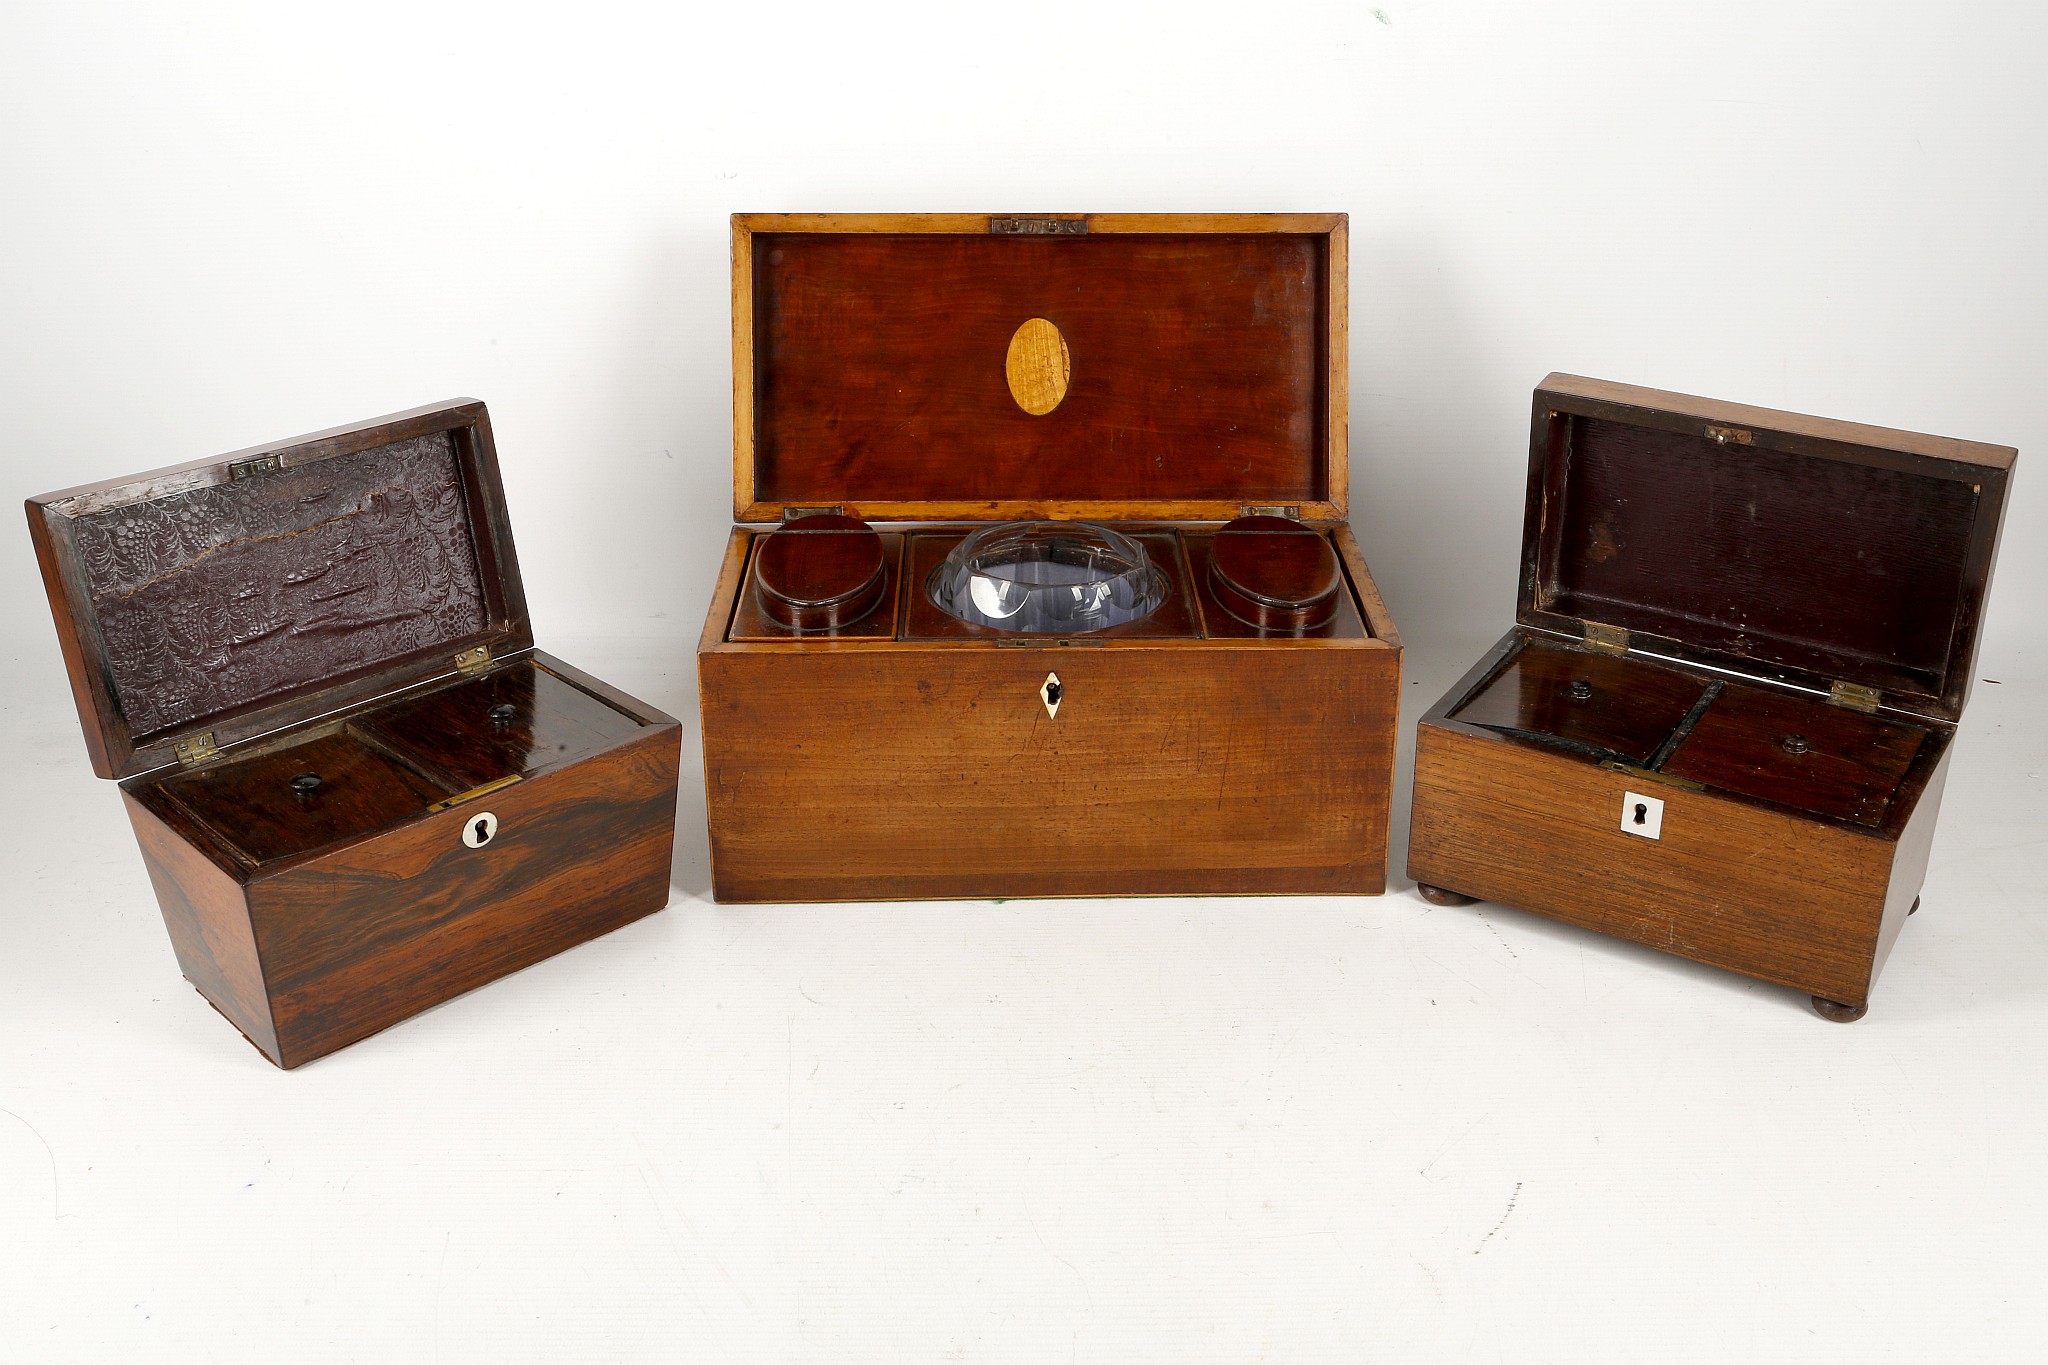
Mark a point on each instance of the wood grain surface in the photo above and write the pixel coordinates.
(1038, 366)
(1274, 573)
(1758, 891)
(513, 721)
(1625, 708)
(311, 926)
(854, 773)
(206, 911)
(820, 572)
(1206, 358)
(1800, 752)
(364, 937)
(1768, 543)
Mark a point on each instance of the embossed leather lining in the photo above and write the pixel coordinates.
(223, 597)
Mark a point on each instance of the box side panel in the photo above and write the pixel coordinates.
(207, 914)
(1909, 868)
(1756, 891)
(875, 774)
(363, 938)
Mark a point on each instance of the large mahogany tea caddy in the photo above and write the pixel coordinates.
(1723, 719)
(1169, 673)
(359, 788)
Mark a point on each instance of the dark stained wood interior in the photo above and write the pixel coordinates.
(1344, 621)
(1274, 573)
(752, 622)
(820, 572)
(1198, 367)
(1799, 752)
(1839, 567)
(305, 796)
(514, 721)
(1614, 707)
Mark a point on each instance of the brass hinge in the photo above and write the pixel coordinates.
(1606, 639)
(1038, 227)
(473, 660)
(792, 513)
(1722, 436)
(1855, 696)
(262, 464)
(1289, 510)
(196, 749)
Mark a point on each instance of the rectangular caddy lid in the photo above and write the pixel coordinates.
(983, 368)
(1812, 551)
(228, 598)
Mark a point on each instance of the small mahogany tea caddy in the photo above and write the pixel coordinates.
(359, 789)
(1723, 719)
(1109, 634)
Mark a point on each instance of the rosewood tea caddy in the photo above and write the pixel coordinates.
(1723, 719)
(358, 787)
(1041, 583)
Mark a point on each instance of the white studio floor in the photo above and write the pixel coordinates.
(1282, 1129)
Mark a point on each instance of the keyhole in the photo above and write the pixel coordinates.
(482, 828)
(1052, 694)
(1642, 813)
(479, 831)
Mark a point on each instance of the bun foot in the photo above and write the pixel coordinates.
(1914, 908)
(1436, 895)
(1836, 1012)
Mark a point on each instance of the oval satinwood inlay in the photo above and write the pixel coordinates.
(1038, 366)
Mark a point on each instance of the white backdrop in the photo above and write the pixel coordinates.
(1171, 1129)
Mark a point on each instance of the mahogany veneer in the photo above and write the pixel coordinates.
(1762, 621)
(358, 788)
(1273, 573)
(820, 573)
(1159, 374)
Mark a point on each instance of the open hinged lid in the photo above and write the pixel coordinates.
(1117, 367)
(217, 601)
(1845, 559)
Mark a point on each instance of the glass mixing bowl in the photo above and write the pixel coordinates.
(1047, 578)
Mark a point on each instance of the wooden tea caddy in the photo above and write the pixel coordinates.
(359, 788)
(1157, 374)
(1723, 719)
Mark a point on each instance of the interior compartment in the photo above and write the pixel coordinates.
(1793, 749)
(751, 623)
(323, 790)
(1800, 752)
(1047, 578)
(1219, 623)
(358, 776)
(507, 723)
(1174, 618)
(1601, 705)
